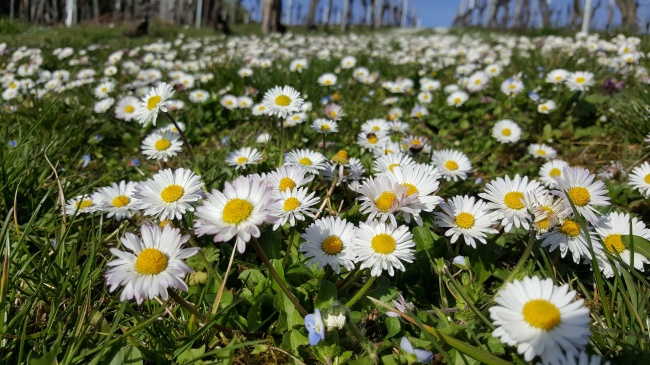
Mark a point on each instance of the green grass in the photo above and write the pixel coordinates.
(55, 306)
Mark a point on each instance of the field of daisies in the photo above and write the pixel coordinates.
(396, 198)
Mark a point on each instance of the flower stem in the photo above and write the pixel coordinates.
(281, 143)
(287, 253)
(260, 252)
(217, 300)
(180, 131)
(524, 257)
(361, 292)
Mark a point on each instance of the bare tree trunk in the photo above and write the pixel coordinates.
(373, 14)
(329, 13)
(629, 20)
(610, 14)
(576, 15)
(344, 15)
(219, 23)
(546, 12)
(95, 9)
(492, 8)
(311, 15)
(271, 14)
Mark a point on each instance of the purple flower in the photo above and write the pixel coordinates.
(423, 356)
(134, 163)
(401, 305)
(315, 327)
(611, 86)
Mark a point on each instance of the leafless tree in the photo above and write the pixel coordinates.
(628, 10)
(311, 15)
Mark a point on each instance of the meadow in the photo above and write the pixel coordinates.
(439, 197)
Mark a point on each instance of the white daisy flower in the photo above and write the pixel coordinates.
(512, 86)
(293, 204)
(329, 241)
(161, 145)
(288, 177)
(325, 126)
(282, 101)
(229, 102)
(610, 228)
(542, 151)
(541, 319)
(453, 165)
(169, 194)
(351, 171)
(154, 264)
(88, 203)
(348, 62)
(506, 198)
(238, 211)
(299, 65)
(425, 97)
(295, 119)
(546, 107)
(389, 161)
(640, 179)
(557, 76)
(397, 126)
(156, 101)
(467, 217)
(568, 236)
(580, 81)
(457, 98)
(245, 72)
(578, 185)
(547, 210)
(506, 131)
(375, 126)
(382, 247)
(125, 108)
(198, 96)
(311, 160)
(327, 79)
(244, 102)
(383, 199)
(334, 111)
(550, 171)
(372, 141)
(103, 89)
(243, 157)
(417, 180)
(118, 200)
(477, 81)
(259, 109)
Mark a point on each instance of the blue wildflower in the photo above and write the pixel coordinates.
(421, 355)
(85, 160)
(533, 96)
(315, 327)
(225, 140)
(12, 143)
(134, 163)
(98, 137)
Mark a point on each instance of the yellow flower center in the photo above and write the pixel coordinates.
(151, 262)
(341, 158)
(613, 243)
(172, 193)
(372, 140)
(332, 245)
(477, 82)
(283, 100)
(514, 200)
(410, 189)
(542, 314)
(236, 211)
(153, 102)
(580, 80)
(83, 204)
(392, 166)
(376, 128)
(332, 114)
(165, 222)
(162, 144)
(390, 152)
(328, 82)
(465, 220)
(285, 183)
(647, 179)
(385, 201)
(555, 172)
(291, 204)
(104, 89)
(512, 86)
(325, 127)
(580, 196)
(457, 100)
(544, 108)
(416, 142)
(541, 152)
(242, 160)
(451, 165)
(543, 224)
(129, 109)
(558, 78)
(305, 161)
(383, 243)
(120, 201)
(570, 228)
(506, 132)
(418, 114)
(229, 102)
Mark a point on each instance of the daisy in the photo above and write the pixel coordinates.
(477, 81)
(282, 101)
(417, 180)
(293, 204)
(580, 81)
(541, 319)
(451, 164)
(103, 105)
(238, 211)
(351, 170)
(102, 90)
(118, 200)
(382, 247)
(311, 160)
(384, 199)
(295, 119)
(557, 76)
(125, 108)
(610, 228)
(582, 358)
(229, 102)
(397, 126)
(550, 171)
(493, 70)
(424, 97)
(198, 96)
(327, 79)
(299, 65)
(506, 198)
(169, 194)
(547, 210)
(419, 111)
(154, 264)
(457, 98)
(348, 62)
(244, 102)
(395, 114)
(415, 144)
(83, 204)
(389, 161)
(578, 185)
(288, 177)
(506, 131)
(375, 126)
(542, 151)
(245, 72)
(512, 86)
(568, 236)
(325, 126)
(259, 109)
(465, 216)
(388, 148)
(243, 157)
(156, 101)
(329, 241)
(640, 179)
(161, 145)
(546, 107)
(371, 141)
(334, 111)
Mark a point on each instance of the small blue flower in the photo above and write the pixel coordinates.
(324, 100)
(371, 92)
(366, 99)
(134, 163)
(478, 180)
(85, 159)
(98, 137)
(12, 143)
(540, 68)
(422, 355)
(315, 327)
(225, 140)
(533, 96)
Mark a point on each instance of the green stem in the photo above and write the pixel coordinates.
(260, 252)
(344, 283)
(468, 300)
(180, 131)
(361, 292)
(281, 143)
(287, 253)
(524, 257)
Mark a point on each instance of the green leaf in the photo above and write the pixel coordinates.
(495, 346)
(126, 355)
(394, 326)
(289, 316)
(422, 238)
(271, 242)
(640, 244)
(191, 355)
(327, 294)
(391, 359)
(293, 340)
